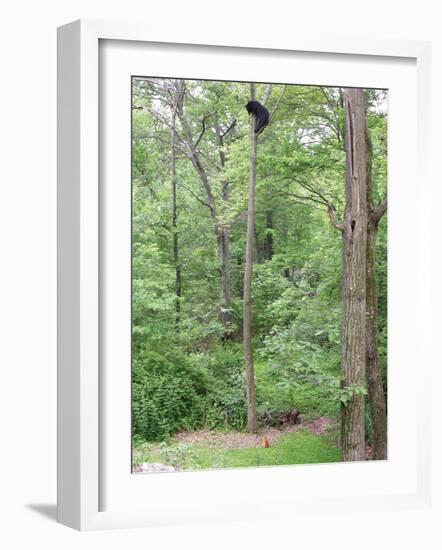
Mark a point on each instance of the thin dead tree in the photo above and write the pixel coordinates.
(248, 271)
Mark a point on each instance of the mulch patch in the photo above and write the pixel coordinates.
(237, 440)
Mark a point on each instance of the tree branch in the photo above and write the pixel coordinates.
(266, 95)
(199, 199)
(379, 211)
(332, 217)
(203, 122)
(302, 197)
(240, 217)
(312, 201)
(278, 101)
(228, 129)
(159, 138)
(194, 156)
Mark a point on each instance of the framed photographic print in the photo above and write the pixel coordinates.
(233, 303)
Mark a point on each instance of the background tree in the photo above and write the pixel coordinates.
(376, 393)
(176, 106)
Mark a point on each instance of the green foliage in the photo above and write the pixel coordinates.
(347, 393)
(190, 373)
(276, 393)
(226, 405)
(167, 395)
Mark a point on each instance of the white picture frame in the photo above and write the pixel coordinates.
(80, 395)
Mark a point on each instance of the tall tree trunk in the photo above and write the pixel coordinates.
(223, 248)
(269, 235)
(257, 247)
(176, 260)
(376, 396)
(247, 327)
(225, 307)
(354, 276)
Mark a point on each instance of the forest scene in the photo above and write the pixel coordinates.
(259, 274)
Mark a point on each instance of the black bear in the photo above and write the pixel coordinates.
(261, 114)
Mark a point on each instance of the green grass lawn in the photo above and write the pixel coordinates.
(301, 447)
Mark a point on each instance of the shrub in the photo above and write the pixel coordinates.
(226, 404)
(276, 394)
(167, 395)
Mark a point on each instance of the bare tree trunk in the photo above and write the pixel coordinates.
(247, 328)
(223, 242)
(225, 308)
(354, 276)
(176, 261)
(376, 396)
(257, 247)
(269, 235)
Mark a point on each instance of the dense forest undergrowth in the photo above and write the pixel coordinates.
(190, 210)
(211, 417)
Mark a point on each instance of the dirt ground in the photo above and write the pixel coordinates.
(236, 440)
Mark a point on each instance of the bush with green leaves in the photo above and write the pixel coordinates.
(226, 403)
(282, 389)
(167, 395)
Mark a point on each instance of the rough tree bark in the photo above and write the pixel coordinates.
(247, 328)
(354, 276)
(376, 396)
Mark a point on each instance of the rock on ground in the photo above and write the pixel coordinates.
(152, 467)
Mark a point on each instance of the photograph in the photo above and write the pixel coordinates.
(258, 274)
